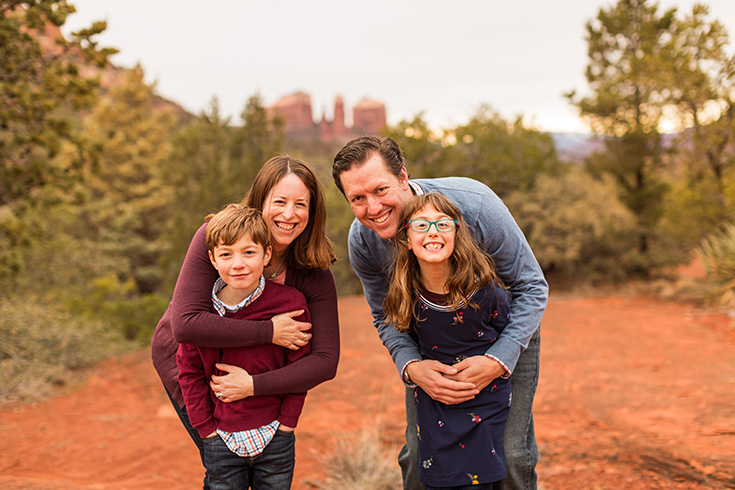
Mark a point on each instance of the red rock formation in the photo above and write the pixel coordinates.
(296, 112)
(295, 109)
(368, 117)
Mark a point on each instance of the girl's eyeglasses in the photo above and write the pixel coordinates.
(423, 225)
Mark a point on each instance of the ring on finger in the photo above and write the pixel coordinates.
(303, 336)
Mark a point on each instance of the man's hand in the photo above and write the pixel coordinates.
(235, 385)
(290, 333)
(434, 378)
(478, 370)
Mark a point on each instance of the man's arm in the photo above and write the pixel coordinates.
(371, 264)
(520, 272)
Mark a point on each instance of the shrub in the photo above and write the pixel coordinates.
(577, 227)
(717, 253)
(42, 344)
(359, 462)
(118, 305)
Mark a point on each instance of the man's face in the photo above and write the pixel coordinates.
(376, 196)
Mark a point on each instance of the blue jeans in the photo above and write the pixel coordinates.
(521, 451)
(270, 470)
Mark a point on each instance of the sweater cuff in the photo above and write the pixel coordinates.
(206, 428)
(405, 377)
(507, 371)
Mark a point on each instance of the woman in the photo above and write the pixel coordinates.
(288, 193)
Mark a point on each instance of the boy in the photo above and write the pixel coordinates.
(248, 443)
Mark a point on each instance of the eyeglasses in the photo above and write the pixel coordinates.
(423, 225)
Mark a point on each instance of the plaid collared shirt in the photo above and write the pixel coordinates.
(247, 442)
(223, 308)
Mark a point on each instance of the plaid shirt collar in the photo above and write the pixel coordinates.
(417, 190)
(223, 308)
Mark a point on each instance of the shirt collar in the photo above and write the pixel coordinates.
(223, 308)
(417, 190)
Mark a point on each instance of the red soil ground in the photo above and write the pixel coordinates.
(634, 394)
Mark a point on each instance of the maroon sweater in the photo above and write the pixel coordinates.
(197, 365)
(189, 319)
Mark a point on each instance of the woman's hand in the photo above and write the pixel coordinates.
(235, 385)
(290, 333)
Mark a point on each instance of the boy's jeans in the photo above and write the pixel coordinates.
(521, 452)
(270, 470)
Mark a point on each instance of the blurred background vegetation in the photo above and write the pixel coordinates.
(103, 184)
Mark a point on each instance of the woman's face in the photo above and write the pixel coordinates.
(432, 246)
(286, 210)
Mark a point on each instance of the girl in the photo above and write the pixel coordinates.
(444, 290)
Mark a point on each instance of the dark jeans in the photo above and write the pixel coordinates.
(270, 470)
(193, 433)
(483, 486)
(521, 452)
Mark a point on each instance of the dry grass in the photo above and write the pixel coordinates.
(361, 462)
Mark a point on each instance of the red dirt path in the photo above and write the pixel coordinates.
(634, 394)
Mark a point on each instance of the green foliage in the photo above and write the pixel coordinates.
(649, 70)
(505, 155)
(692, 210)
(41, 94)
(42, 345)
(128, 199)
(627, 56)
(213, 163)
(577, 227)
(119, 306)
(38, 89)
(702, 94)
(423, 150)
(258, 139)
(626, 59)
(717, 253)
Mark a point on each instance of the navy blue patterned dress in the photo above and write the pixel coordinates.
(462, 444)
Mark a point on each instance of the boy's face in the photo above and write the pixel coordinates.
(241, 264)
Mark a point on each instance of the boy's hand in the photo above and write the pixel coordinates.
(286, 429)
(235, 385)
(290, 333)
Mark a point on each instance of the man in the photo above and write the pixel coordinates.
(370, 173)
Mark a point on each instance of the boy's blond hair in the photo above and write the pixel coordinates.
(234, 221)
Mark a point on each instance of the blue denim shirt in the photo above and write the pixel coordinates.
(493, 225)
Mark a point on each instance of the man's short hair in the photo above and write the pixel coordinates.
(359, 150)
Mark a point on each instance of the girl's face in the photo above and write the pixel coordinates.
(432, 246)
(286, 210)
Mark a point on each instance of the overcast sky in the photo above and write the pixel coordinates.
(441, 58)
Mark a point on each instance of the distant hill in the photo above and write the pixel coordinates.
(576, 147)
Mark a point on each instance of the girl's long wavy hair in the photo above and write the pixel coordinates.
(470, 267)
